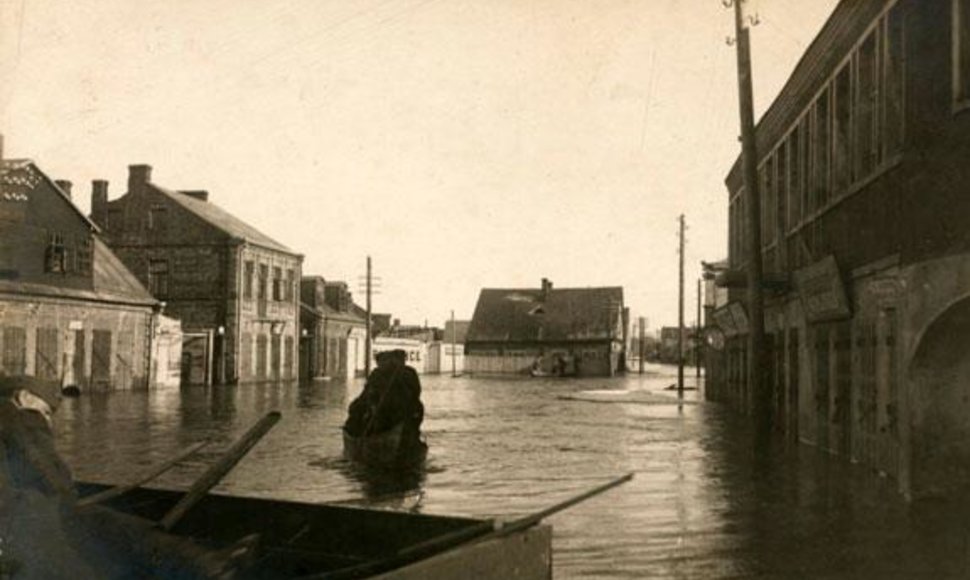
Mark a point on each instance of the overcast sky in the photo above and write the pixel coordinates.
(461, 143)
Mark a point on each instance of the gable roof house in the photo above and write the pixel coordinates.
(547, 330)
(69, 309)
(234, 288)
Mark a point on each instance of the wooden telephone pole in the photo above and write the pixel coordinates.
(749, 154)
(680, 317)
(454, 345)
(367, 335)
(697, 335)
(642, 349)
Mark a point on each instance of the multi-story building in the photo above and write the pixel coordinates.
(234, 289)
(69, 309)
(865, 213)
(544, 330)
(333, 330)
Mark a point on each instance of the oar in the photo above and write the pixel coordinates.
(218, 470)
(141, 480)
(480, 532)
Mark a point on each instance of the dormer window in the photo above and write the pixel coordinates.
(55, 258)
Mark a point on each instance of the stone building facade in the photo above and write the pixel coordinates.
(69, 309)
(866, 231)
(234, 289)
(333, 330)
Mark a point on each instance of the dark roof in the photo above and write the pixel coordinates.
(26, 172)
(223, 220)
(324, 311)
(521, 315)
(113, 283)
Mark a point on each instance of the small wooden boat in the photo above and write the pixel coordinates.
(301, 540)
(387, 449)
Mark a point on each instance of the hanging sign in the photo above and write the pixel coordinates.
(822, 291)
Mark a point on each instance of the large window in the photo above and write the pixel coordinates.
(855, 125)
(867, 101)
(822, 148)
(961, 51)
(158, 278)
(277, 284)
(158, 218)
(893, 94)
(55, 258)
(248, 271)
(842, 124)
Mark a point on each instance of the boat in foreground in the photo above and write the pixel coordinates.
(386, 450)
(300, 540)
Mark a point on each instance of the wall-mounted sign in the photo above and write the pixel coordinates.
(822, 292)
(725, 321)
(740, 316)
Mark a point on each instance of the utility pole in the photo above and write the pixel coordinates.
(367, 336)
(643, 325)
(680, 317)
(697, 335)
(454, 345)
(749, 154)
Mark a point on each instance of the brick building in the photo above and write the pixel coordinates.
(333, 330)
(69, 309)
(512, 329)
(233, 288)
(866, 215)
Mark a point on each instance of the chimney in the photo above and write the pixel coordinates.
(546, 288)
(138, 177)
(65, 186)
(99, 201)
(199, 194)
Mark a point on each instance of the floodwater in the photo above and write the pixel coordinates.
(700, 506)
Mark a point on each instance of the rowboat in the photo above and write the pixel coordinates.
(385, 450)
(303, 540)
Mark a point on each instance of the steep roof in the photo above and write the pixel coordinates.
(522, 315)
(223, 220)
(113, 283)
(26, 172)
(324, 311)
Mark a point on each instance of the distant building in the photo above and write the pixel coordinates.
(575, 330)
(866, 224)
(415, 349)
(234, 289)
(333, 330)
(446, 353)
(667, 349)
(69, 309)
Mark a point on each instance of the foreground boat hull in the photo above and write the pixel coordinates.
(301, 539)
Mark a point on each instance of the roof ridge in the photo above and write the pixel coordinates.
(240, 229)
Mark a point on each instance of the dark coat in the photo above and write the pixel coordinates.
(392, 395)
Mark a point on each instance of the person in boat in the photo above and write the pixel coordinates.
(391, 396)
(43, 531)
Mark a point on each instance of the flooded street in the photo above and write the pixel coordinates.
(699, 506)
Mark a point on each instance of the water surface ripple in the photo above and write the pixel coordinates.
(700, 506)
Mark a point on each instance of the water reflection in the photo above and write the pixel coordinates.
(700, 506)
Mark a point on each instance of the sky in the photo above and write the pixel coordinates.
(461, 144)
